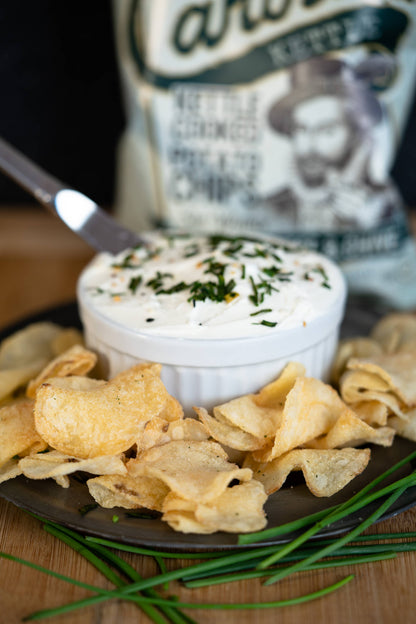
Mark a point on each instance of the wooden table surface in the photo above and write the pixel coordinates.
(39, 263)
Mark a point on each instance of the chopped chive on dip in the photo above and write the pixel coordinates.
(212, 286)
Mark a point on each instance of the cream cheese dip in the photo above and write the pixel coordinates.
(212, 287)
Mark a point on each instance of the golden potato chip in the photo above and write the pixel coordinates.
(396, 332)
(54, 464)
(274, 394)
(10, 470)
(75, 361)
(238, 509)
(18, 435)
(349, 431)
(124, 491)
(104, 420)
(244, 413)
(77, 382)
(371, 412)
(358, 386)
(179, 513)
(68, 337)
(159, 431)
(24, 354)
(229, 435)
(172, 409)
(396, 370)
(325, 471)
(15, 378)
(28, 345)
(310, 410)
(353, 347)
(195, 470)
(406, 428)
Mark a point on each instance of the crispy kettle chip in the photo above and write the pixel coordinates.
(350, 431)
(406, 428)
(229, 435)
(10, 470)
(159, 431)
(396, 332)
(310, 410)
(325, 471)
(396, 370)
(195, 470)
(371, 412)
(104, 420)
(172, 409)
(55, 464)
(360, 386)
(274, 394)
(28, 345)
(250, 422)
(244, 413)
(18, 435)
(124, 491)
(24, 354)
(353, 347)
(68, 337)
(239, 509)
(75, 361)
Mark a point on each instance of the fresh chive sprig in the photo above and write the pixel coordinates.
(272, 562)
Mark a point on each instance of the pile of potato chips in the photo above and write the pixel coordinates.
(203, 472)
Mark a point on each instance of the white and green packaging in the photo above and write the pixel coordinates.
(276, 116)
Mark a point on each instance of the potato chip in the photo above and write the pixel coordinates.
(18, 435)
(349, 431)
(405, 428)
(310, 410)
(68, 337)
(15, 378)
(371, 412)
(63, 481)
(104, 420)
(55, 464)
(325, 471)
(75, 361)
(353, 347)
(259, 414)
(274, 394)
(244, 413)
(357, 386)
(179, 513)
(124, 491)
(24, 354)
(159, 431)
(229, 435)
(172, 409)
(77, 382)
(396, 332)
(28, 344)
(10, 470)
(195, 470)
(396, 370)
(238, 509)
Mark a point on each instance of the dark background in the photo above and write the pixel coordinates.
(60, 96)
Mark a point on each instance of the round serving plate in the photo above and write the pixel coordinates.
(72, 507)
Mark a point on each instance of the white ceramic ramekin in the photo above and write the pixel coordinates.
(205, 372)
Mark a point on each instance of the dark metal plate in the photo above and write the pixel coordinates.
(50, 501)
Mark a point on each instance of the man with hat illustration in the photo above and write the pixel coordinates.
(329, 116)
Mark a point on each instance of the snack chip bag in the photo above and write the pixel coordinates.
(280, 117)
